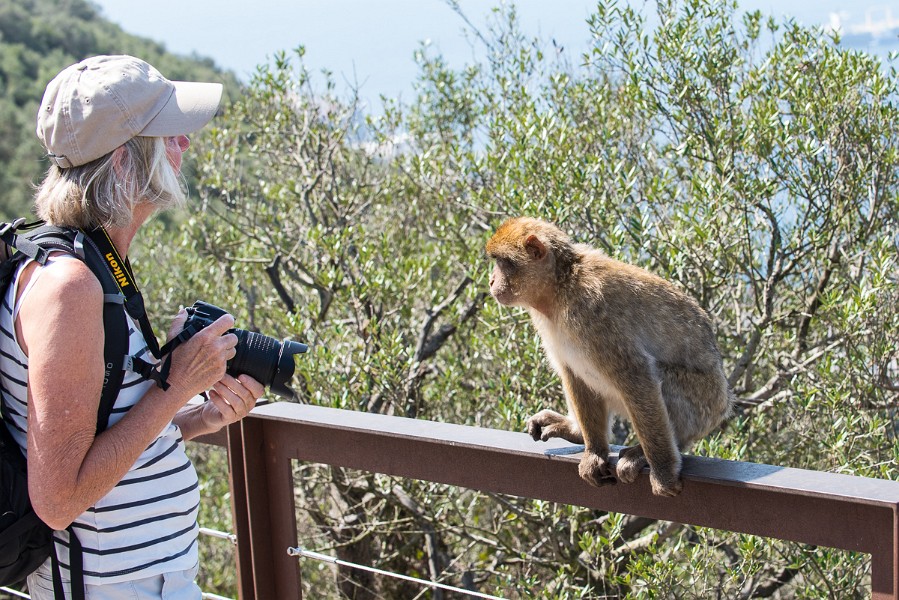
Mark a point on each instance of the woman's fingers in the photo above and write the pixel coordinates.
(235, 397)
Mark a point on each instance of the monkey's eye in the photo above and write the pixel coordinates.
(506, 264)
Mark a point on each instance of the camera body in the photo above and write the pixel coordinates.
(263, 358)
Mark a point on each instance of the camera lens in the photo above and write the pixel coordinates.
(285, 367)
(256, 355)
(265, 359)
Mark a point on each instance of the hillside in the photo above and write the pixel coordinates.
(37, 39)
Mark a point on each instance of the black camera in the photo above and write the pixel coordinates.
(263, 358)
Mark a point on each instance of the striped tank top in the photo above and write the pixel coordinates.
(147, 524)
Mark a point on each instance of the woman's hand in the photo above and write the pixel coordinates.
(199, 363)
(230, 400)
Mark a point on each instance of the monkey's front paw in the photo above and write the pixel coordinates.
(630, 462)
(595, 470)
(667, 485)
(548, 424)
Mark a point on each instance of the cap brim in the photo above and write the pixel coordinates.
(188, 109)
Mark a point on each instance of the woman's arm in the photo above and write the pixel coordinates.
(60, 326)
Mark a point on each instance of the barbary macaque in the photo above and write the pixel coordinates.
(623, 341)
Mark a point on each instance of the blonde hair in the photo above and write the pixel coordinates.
(105, 191)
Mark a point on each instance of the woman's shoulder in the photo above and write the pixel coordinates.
(63, 279)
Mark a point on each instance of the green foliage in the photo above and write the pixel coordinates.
(753, 163)
(38, 38)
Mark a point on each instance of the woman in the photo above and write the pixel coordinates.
(115, 130)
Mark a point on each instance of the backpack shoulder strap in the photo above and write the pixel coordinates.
(115, 326)
(115, 349)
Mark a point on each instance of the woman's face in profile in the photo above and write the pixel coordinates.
(175, 146)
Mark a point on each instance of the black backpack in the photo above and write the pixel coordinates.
(25, 540)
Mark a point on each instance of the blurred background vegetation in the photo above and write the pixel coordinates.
(38, 38)
(752, 162)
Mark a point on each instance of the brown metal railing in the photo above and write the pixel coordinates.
(826, 509)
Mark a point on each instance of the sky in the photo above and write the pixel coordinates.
(370, 43)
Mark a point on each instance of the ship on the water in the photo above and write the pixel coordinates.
(878, 30)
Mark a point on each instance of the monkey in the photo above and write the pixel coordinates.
(622, 341)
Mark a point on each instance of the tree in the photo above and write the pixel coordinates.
(751, 162)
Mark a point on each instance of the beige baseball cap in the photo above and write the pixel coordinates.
(94, 106)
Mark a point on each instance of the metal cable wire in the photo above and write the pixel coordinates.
(316, 556)
(325, 558)
(219, 534)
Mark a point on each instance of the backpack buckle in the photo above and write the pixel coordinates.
(11, 226)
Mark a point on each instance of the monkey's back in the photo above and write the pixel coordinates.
(625, 303)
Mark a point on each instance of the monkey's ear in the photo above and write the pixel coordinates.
(535, 248)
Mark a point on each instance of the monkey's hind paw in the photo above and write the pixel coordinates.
(630, 462)
(670, 487)
(596, 470)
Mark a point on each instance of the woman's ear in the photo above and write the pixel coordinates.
(118, 160)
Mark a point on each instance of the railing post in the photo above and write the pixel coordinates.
(240, 513)
(885, 565)
(270, 524)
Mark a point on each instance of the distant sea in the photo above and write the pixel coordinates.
(877, 33)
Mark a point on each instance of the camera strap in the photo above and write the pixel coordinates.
(134, 306)
(186, 333)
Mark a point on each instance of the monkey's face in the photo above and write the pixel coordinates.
(503, 282)
(524, 274)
